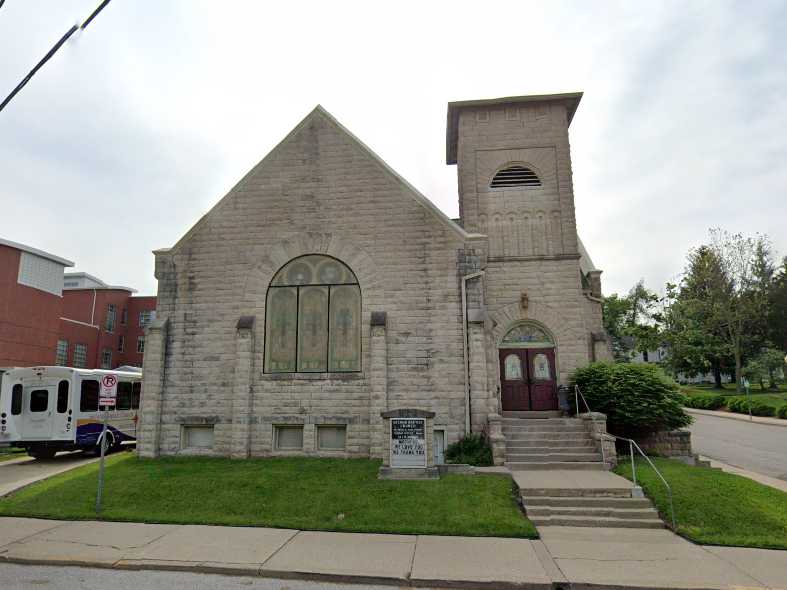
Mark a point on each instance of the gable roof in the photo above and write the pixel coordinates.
(35, 251)
(570, 99)
(319, 111)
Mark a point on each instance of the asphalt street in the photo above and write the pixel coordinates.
(39, 577)
(761, 448)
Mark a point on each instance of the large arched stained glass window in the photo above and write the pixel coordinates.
(313, 318)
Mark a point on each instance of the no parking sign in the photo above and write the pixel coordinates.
(109, 390)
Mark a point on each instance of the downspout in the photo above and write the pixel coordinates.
(466, 347)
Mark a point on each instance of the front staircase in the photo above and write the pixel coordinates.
(548, 455)
(548, 442)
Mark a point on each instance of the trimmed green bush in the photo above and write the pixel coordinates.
(740, 405)
(782, 412)
(473, 449)
(637, 398)
(704, 402)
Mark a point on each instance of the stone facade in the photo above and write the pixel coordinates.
(436, 295)
(673, 443)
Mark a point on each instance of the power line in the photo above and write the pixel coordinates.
(51, 52)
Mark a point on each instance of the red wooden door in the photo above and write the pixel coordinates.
(541, 373)
(514, 390)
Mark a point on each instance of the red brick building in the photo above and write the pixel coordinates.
(31, 284)
(48, 317)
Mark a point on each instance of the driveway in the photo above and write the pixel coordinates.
(751, 446)
(17, 474)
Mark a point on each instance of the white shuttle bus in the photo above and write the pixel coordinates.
(49, 409)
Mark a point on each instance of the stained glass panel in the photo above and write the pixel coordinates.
(281, 314)
(527, 333)
(541, 370)
(313, 329)
(345, 332)
(314, 269)
(513, 368)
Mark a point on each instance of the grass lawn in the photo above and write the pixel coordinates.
(298, 493)
(8, 453)
(773, 398)
(716, 508)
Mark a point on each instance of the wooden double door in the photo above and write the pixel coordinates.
(527, 379)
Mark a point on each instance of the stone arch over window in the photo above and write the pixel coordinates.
(515, 175)
(527, 334)
(313, 317)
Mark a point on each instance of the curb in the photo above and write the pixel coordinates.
(255, 571)
(742, 417)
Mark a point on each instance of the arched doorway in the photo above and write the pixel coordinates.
(527, 368)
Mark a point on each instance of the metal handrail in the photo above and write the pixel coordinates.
(632, 444)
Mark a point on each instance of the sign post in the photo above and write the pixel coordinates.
(747, 387)
(107, 397)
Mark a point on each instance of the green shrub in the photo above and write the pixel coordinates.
(473, 449)
(740, 405)
(782, 412)
(637, 398)
(704, 402)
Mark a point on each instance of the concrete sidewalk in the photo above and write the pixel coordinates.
(565, 557)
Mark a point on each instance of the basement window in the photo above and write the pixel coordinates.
(198, 437)
(288, 438)
(331, 438)
(515, 176)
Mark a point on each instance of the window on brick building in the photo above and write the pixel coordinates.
(106, 358)
(515, 176)
(124, 316)
(146, 316)
(80, 356)
(313, 318)
(111, 313)
(61, 356)
(141, 344)
(121, 343)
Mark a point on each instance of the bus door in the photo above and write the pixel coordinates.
(62, 412)
(37, 409)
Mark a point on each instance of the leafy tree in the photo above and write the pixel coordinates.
(695, 341)
(777, 317)
(632, 321)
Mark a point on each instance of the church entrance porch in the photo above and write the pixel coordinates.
(527, 379)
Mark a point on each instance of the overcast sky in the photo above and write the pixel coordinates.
(144, 121)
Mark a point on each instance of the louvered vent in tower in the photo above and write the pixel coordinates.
(514, 176)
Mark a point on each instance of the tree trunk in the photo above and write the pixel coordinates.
(738, 368)
(717, 375)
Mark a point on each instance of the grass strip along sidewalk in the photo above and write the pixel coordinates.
(297, 493)
(716, 508)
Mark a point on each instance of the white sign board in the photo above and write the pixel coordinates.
(408, 442)
(109, 390)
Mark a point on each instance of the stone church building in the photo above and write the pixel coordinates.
(323, 290)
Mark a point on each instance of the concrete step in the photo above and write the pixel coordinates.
(600, 521)
(532, 450)
(548, 436)
(532, 414)
(592, 502)
(538, 427)
(540, 466)
(553, 457)
(552, 511)
(596, 493)
(574, 441)
(539, 421)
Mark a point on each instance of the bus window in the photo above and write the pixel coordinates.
(39, 400)
(89, 399)
(16, 399)
(136, 392)
(62, 397)
(124, 396)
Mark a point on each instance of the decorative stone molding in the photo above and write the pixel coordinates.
(407, 413)
(596, 424)
(153, 375)
(496, 439)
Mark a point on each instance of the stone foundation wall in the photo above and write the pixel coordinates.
(674, 443)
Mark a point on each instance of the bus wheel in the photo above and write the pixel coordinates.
(42, 452)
